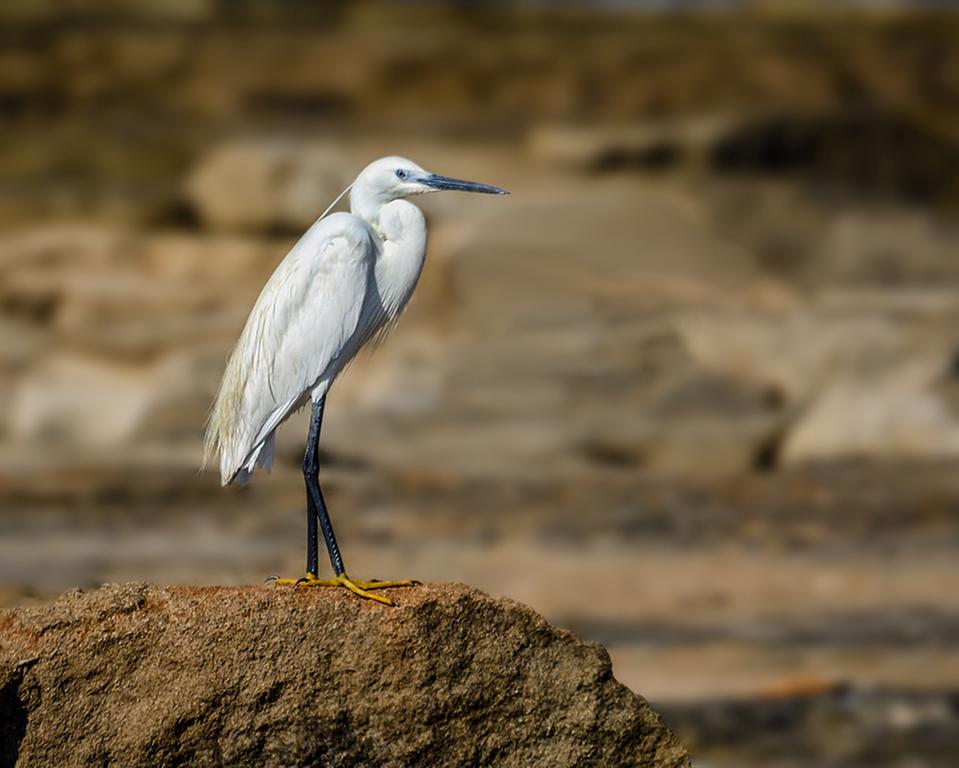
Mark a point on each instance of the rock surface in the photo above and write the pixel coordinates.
(142, 675)
(258, 185)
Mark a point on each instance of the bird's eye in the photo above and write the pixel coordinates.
(401, 174)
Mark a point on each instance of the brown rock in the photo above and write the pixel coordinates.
(142, 675)
(886, 415)
(253, 185)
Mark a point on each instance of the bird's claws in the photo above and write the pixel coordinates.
(371, 583)
(357, 587)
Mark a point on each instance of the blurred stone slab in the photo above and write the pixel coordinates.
(253, 185)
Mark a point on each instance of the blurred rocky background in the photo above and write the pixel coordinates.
(692, 391)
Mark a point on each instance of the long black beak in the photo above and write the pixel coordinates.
(445, 182)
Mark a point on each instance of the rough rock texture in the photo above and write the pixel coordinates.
(142, 675)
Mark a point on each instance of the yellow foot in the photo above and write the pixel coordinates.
(357, 587)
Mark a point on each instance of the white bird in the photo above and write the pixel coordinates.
(345, 282)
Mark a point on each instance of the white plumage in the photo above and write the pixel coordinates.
(346, 280)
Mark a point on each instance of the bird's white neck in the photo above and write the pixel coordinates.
(367, 203)
(401, 229)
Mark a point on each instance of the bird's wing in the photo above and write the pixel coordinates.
(304, 322)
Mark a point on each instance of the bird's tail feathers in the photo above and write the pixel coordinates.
(260, 457)
(219, 426)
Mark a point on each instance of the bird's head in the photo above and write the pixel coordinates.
(393, 178)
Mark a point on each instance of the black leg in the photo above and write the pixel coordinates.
(310, 471)
(314, 497)
(312, 545)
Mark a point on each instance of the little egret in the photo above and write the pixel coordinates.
(345, 282)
